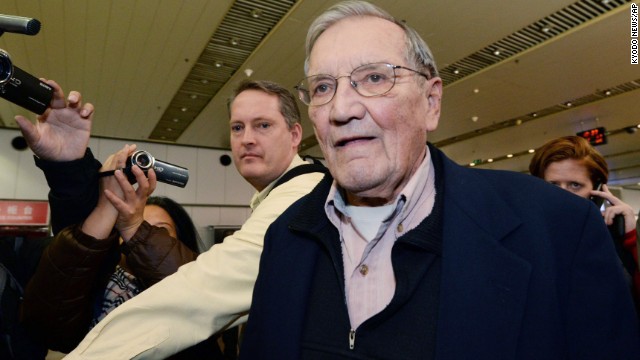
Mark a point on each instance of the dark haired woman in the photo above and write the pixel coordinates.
(128, 243)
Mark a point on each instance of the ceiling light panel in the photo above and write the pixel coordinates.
(525, 38)
(205, 79)
(499, 125)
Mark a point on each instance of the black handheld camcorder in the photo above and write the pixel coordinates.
(17, 85)
(22, 88)
(165, 172)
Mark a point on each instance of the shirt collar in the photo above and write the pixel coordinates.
(259, 196)
(421, 184)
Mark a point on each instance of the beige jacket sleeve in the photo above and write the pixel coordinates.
(202, 298)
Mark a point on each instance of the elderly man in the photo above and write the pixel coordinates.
(213, 292)
(406, 255)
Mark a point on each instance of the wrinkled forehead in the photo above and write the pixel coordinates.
(355, 41)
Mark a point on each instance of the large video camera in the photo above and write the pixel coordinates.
(16, 85)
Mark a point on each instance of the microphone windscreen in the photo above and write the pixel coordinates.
(33, 27)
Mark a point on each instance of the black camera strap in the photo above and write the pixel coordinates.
(301, 170)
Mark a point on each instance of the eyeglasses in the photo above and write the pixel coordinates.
(368, 80)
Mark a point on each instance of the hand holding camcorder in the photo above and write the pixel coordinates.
(16, 85)
(165, 172)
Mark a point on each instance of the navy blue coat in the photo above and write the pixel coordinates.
(528, 272)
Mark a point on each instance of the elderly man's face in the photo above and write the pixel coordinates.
(372, 144)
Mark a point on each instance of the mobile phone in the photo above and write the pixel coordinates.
(618, 226)
(596, 199)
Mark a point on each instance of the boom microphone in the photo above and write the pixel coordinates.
(19, 24)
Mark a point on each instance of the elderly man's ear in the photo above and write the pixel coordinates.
(433, 88)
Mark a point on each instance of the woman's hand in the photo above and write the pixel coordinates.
(103, 217)
(130, 202)
(618, 207)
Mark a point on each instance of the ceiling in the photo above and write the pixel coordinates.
(162, 70)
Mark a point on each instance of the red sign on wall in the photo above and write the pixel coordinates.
(24, 212)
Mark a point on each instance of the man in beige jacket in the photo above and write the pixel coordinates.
(214, 292)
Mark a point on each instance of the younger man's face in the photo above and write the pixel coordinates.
(262, 144)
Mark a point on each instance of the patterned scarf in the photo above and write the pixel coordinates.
(121, 287)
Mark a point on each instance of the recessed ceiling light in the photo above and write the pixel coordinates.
(256, 13)
(193, 96)
(184, 109)
(510, 155)
(204, 81)
(218, 64)
(490, 160)
(519, 122)
(534, 114)
(456, 71)
(531, 151)
(234, 41)
(476, 90)
(472, 164)
(546, 28)
(607, 92)
(568, 104)
(169, 129)
(175, 120)
(474, 118)
(496, 52)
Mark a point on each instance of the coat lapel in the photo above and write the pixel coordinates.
(484, 285)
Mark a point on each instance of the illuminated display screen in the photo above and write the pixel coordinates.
(595, 136)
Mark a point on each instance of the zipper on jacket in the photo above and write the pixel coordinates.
(352, 339)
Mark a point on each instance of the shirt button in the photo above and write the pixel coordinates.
(400, 227)
(364, 269)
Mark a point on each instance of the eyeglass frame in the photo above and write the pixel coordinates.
(301, 90)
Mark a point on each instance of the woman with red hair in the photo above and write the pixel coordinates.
(571, 163)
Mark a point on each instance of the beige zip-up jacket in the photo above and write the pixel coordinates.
(203, 297)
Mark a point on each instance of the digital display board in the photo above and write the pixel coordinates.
(596, 136)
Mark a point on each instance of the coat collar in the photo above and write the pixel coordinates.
(467, 191)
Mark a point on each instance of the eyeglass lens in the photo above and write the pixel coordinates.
(368, 80)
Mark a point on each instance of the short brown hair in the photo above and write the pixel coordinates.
(570, 147)
(288, 106)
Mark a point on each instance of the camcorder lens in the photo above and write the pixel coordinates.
(6, 67)
(142, 160)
